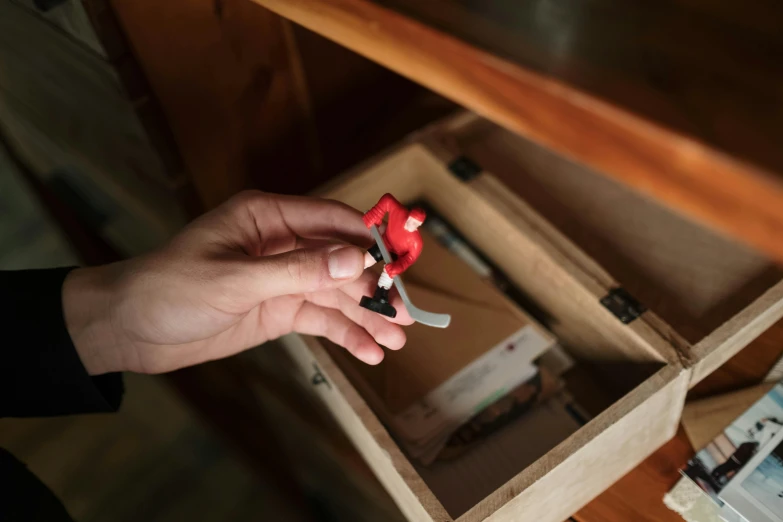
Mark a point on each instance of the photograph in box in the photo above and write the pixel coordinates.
(748, 437)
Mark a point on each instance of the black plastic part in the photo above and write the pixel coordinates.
(375, 252)
(464, 168)
(623, 305)
(379, 307)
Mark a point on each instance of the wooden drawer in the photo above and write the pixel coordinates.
(718, 294)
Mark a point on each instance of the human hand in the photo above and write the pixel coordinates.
(257, 267)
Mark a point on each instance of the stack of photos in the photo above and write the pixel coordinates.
(742, 468)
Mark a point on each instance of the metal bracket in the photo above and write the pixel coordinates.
(623, 305)
(464, 168)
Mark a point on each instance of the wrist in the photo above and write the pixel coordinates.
(89, 297)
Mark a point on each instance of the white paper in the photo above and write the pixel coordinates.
(488, 378)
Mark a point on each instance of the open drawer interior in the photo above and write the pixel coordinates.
(714, 292)
(629, 378)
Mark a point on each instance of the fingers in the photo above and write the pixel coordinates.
(323, 218)
(260, 224)
(305, 270)
(384, 332)
(284, 216)
(325, 322)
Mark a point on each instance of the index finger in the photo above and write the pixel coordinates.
(317, 218)
(263, 224)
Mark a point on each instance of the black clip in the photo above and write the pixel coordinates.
(464, 168)
(623, 305)
(319, 378)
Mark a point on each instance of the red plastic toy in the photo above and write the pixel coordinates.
(402, 239)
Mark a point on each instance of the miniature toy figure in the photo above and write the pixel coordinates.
(403, 240)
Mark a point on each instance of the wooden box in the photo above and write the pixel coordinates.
(554, 229)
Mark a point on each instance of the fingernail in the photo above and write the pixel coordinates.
(345, 263)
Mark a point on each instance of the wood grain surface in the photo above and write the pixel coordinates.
(689, 166)
(254, 101)
(737, 333)
(711, 70)
(559, 487)
(746, 368)
(700, 292)
(639, 495)
(229, 83)
(705, 419)
(693, 278)
(538, 260)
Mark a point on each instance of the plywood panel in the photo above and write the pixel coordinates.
(691, 276)
(516, 244)
(373, 442)
(550, 270)
(705, 419)
(708, 289)
(591, 460)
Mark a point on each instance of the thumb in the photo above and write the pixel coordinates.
(308, 270)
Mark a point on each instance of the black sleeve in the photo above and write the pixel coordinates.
(40, 371)
(24, 498)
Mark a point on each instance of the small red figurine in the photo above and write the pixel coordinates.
(403, 241)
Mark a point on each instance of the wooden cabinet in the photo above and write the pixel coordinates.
(602, 125)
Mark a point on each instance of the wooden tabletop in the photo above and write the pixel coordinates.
(681, 99)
